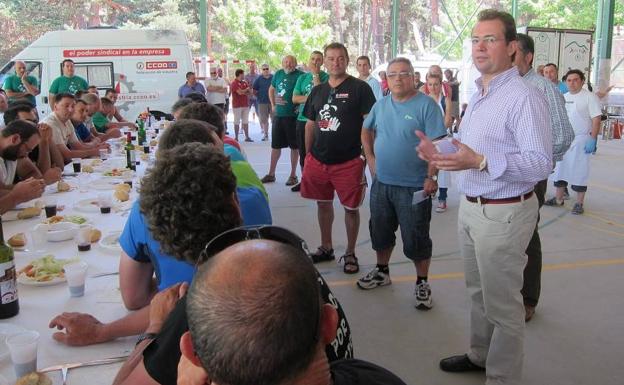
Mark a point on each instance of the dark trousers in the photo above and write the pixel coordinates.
(533, 269)
(301, 142)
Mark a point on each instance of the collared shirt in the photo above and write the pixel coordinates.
(186, 89)
(562, 132)
(508, 124)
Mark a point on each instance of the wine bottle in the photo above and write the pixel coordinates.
(9, 305)
(130, 154)
(141, 136)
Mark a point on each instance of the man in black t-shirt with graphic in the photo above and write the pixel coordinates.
(243, 331)
(335, 111)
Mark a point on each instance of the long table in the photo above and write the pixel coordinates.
(102, 299)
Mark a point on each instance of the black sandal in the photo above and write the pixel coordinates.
(351, 265)
(322, 255)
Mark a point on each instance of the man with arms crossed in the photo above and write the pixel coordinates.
(21, 85)
(335, 111)
(505, 148)
(398, 174)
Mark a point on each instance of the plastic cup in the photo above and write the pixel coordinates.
(83, 182)
(84, 238)
(106, 202)
(76, 273)
(77, 162)
(38, 239)
(103, 154)
(50, 207)
(23, 349)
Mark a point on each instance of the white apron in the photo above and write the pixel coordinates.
(574, 167)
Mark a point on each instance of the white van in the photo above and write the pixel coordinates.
(146, 67)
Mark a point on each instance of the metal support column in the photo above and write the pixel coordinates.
(203, 33)
(514, 9)
(601, 75)
(395, 27)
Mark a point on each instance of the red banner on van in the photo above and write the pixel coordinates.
(77, 53)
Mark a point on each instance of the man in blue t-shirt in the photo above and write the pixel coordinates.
(402, 182)
(261, 90)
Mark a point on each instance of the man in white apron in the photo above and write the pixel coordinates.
(583, 109)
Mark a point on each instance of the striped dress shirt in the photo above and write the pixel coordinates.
(510, 125)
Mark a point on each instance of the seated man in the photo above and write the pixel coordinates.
(79, 119)
(17, 139)
(283, 329)
(63, 133)
(207, 112)
(179, 105)
(44, 161)
(111, 94)
(101, 120)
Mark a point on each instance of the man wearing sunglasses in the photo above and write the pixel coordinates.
(389, 138)
(283, 330)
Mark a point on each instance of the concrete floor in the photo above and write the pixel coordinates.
(577, 334)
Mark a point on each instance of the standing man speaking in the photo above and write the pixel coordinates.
(505, 148)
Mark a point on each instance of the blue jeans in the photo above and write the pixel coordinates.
(443, 194)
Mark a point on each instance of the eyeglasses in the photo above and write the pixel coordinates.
(265, 69)
(213, 73)
(246, 233)
(401, 75)
(488, 40)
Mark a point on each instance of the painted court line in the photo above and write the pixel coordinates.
(457, 275)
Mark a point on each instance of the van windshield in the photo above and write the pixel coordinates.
(33, 68)
(6, 71)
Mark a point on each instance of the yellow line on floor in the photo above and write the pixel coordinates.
(606, 187)
(547, 267)
(603, 219)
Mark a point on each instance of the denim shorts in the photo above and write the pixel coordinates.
(391, 207)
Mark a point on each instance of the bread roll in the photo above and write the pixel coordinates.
(87, 168)
(18, 240)
(63, 186)
(28, 212)
(95, 235)
(34, 379)
(122, 195)
(123, 187)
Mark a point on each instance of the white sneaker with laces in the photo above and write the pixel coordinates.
(423, 296)
(373, 279)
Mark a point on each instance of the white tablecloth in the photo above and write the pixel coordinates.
(38, 305)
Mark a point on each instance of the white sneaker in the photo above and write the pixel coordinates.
(423, 296)
(373, 279)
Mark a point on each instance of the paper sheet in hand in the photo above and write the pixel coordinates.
(419, 196)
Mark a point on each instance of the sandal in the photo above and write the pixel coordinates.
(322, 255)
(351, 265)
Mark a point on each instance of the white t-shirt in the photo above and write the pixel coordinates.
(7, 171)
(581, 108)
(62, 133)
(215, 97)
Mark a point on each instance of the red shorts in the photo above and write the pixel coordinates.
(319, 181)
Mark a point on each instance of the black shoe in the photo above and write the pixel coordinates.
(296, 188)
(457, 364)
(322, 255)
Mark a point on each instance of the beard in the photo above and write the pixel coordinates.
(11, 153)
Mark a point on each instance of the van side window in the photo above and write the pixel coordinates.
(33, 68)
(97, 74)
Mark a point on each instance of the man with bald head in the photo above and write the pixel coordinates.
(21, 86)
(283, 133)
(282, 329)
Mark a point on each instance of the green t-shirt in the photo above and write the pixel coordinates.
(14, 83)
(284, 85)
(100, 121)
(304, 87)
(63, 84)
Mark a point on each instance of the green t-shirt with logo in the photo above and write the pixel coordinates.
(99, 122)
(14, 83)
(304, 87)
(284, 85)
(71, 85)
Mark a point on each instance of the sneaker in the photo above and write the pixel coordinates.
(296, 188)
(322, 255)
(248, 139)
(373, 279)
(441, 207)
(578, 209)
(553, 202)
(268, 178)
(293, 180)
(423, 296)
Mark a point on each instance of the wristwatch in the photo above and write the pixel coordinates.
(432, 177)
(483, 164)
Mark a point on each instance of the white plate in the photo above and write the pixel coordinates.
(89, 205)
(24, 280)
(6, 330)
(110, 242)
(106, 183)
(88, 219)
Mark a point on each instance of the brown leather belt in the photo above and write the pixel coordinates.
(486, 201)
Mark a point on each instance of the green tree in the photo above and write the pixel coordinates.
(268, 30)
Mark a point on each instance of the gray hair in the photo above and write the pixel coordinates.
(402, 60)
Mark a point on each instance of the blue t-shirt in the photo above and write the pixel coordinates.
(261, 86)
(397, 162)
(82, 132)
(137, 242)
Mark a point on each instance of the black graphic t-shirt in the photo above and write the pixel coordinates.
(162, 355)
(338, 113)
(358, 372)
